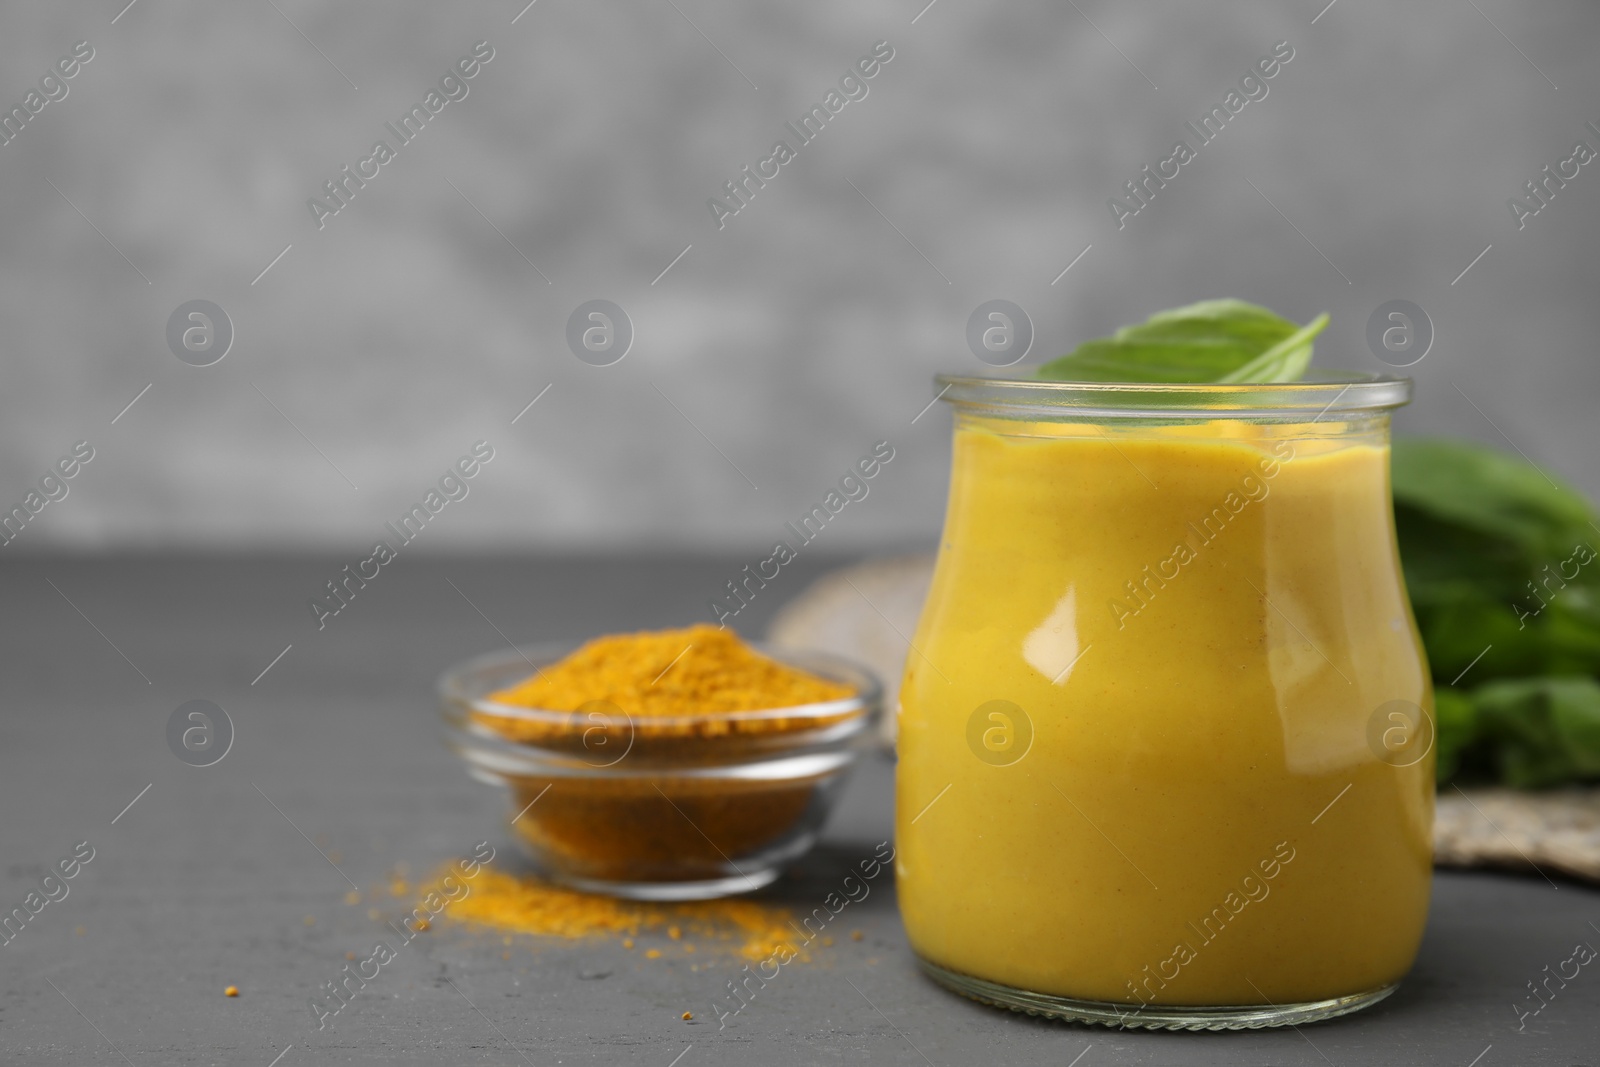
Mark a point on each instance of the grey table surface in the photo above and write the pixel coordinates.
(201, 883)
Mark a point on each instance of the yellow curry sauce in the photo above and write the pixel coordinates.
(1197, 624)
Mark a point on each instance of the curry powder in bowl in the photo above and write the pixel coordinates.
(664, 765)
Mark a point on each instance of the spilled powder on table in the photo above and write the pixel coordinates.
(529, 906)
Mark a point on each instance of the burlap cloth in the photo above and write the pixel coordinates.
(868, 613)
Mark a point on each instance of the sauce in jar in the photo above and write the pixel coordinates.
(1165, 731)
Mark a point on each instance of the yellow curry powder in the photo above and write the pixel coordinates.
(658, 716)
(529, 906)
(660, 678)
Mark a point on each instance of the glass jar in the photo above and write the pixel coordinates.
(1166, 728)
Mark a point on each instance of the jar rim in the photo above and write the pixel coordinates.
(1320, 393)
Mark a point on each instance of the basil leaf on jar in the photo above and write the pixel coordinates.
(1212, 341)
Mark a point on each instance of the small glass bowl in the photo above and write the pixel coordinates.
(685, 807)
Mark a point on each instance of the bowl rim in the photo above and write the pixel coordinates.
(454, 690)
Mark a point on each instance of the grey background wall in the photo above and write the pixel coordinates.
(428, 312)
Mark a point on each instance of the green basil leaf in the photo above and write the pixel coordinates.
(1456, 722)
(1212, 341)
(1545, 731)
(1502, 579)
(1500, 498)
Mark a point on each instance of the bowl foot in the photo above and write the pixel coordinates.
(709, 889)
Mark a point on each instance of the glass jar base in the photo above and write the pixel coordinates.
(668, 892)
(1151, 1017)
